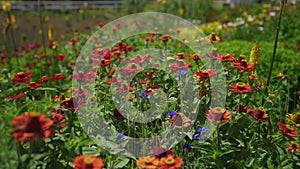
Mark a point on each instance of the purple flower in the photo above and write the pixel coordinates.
(202, 130)
(120, 136)
(197, 137)
(186, 146)
(136, 84)
(182, 72)
(144, 95)
(171, 113)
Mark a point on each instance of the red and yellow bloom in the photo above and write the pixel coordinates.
(293, 147)
(287, 130)
(241, 87)
(218, 115)
(32, 126)
(88, 162)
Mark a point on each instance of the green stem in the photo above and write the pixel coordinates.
(274, 52)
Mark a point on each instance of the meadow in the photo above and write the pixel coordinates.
(151, 93)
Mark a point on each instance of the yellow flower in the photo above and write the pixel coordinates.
(85, 4)
(47, 18)
(255, 54)
(81, 11)
(294, 119)
(164, 2)
(293, 147)
(5, 6)
(40, 31)
(272, 95)
(51, 32)
(181, 11)
(12, 19)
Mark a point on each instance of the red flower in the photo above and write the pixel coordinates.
(259, 115)
(165, 38)
(195, 57)
(60, 57)
(149, 39)
(101, 25)
(33, 85)
(32, 126)
(73, 41)
(182, 55)
(131, 68)
(241, 87)
(113, 80)
(243, 66)
(297, 47)
(179, 65)
(287, 130)
(137, 60)
(58, 76)
(44, 79)
(226, 57)
(18, 96)
(83, 77)
(59, 119)
(180, 120)
(206, 73)
(22, 77)
(88, 162)
(218, 115)
(285, 45)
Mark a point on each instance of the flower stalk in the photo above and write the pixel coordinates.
(282, 4)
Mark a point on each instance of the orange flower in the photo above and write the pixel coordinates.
(287, 130)
(88, 162)
(171, 162)
(148, 162)
(32, 126)
(293, 147)
(241, 87)
(218, 115)
(180, 120)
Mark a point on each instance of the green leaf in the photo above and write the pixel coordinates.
(122, 163)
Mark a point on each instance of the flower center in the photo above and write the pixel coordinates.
(148, 160)
(218, 110)
(170, 161)
(205, 71)
(241, 85)
(290, 127)
(88, 160)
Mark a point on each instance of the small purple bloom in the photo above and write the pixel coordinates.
(202, 130)
(197, 137)
(144, 95)
(120, 136)
(182, 72)
(136, 84)
(186, 146)
(171, 113)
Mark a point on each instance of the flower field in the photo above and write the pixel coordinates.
(152, 90)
